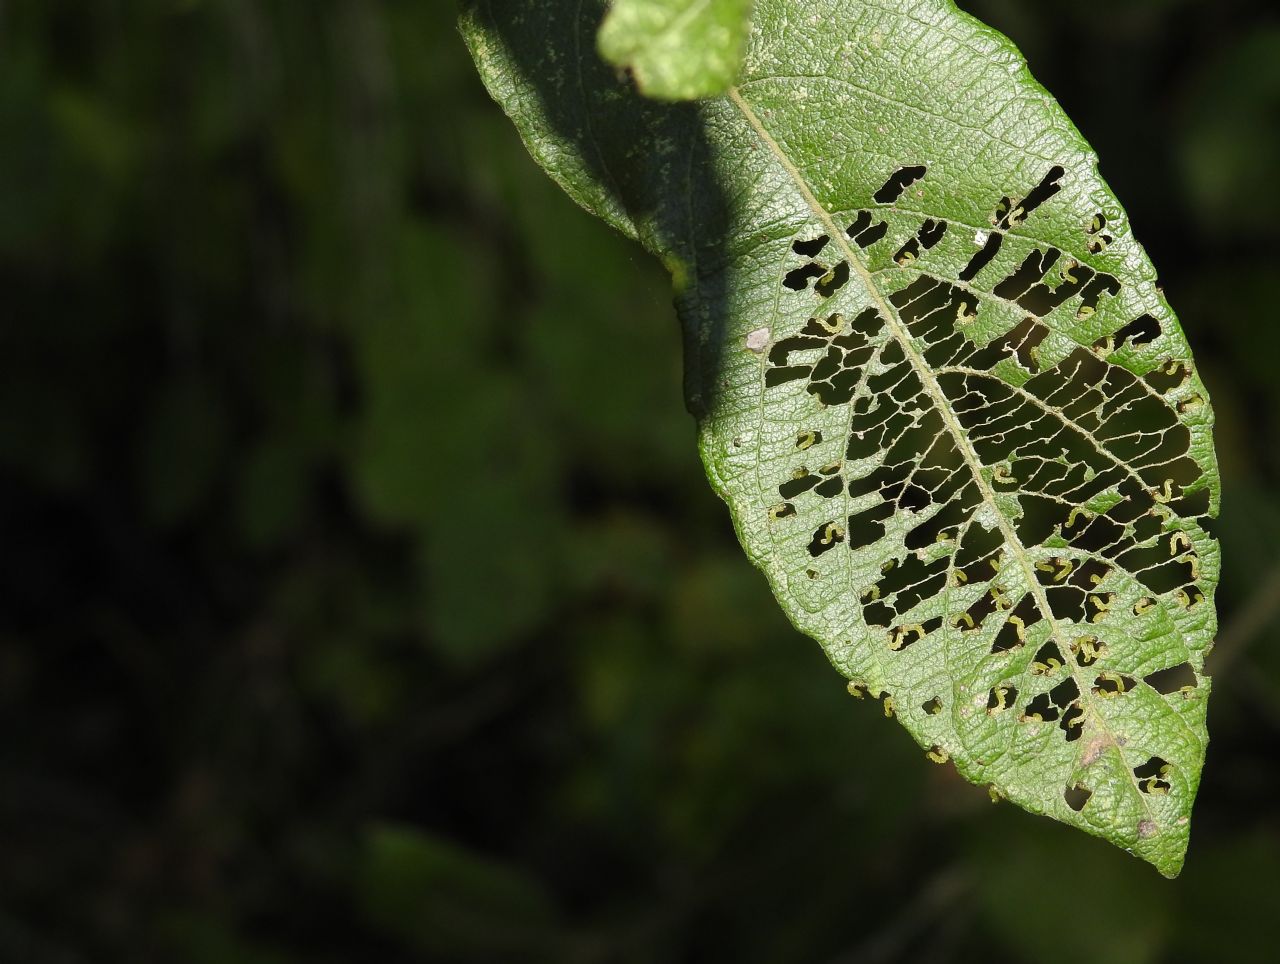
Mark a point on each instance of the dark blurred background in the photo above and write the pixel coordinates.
(362, 599)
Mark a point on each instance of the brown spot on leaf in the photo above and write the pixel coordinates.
(1093, 750)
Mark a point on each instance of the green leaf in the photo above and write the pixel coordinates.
(957, 424)
(677, 49)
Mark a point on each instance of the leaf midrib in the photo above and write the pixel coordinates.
(943, 405)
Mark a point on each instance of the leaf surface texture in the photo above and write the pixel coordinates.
(956, 422)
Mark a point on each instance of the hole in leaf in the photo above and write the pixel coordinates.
(1102, 284)
(1195, 504)
(931, 232)
(1040, 710)
(1077, 796)
(1001, 698)
(1072, 722)
(833, 280)
(1065, 693)
(830, 488)
(1048, 660)
(1092, 574)
(1096, 534)
(1189, 596)
(978, 549)
(971, 619)
(990, 248)
(867, 526)
(802, 481)
(798, 279)
(1002, 211)
(1021, 343)
(932, 707)
(1040, 299)
(877, 614)
(1168, 376)
(898, 182)
(1047, 188)
(908, 253)
(904, 636)
(860, 224)
(1176, 679)
(813, 336)
(1157, 571)
(1191, 404)
(1067, 603)
(1101, 605)
(1141, 331)
(834, 376)
(940, 527)
(912, 581)
(826, 538)
(914, 498)
(1112, 684)
(1153, 776)
(866, 238)
(1031, 270)
(780, 376)
(811, 249)
(1013, 633)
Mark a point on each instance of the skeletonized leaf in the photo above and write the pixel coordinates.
(677, 49)
(957, 424)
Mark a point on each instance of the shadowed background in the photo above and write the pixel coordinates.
(361, 596)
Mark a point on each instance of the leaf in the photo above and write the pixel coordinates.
(957, 424)
(677, 49)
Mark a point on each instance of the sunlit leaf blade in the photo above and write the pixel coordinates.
(957, 424)
(677, 49)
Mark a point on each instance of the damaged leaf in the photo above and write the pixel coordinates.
(956, 422)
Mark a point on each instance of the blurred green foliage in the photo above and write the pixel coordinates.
(288, 310)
